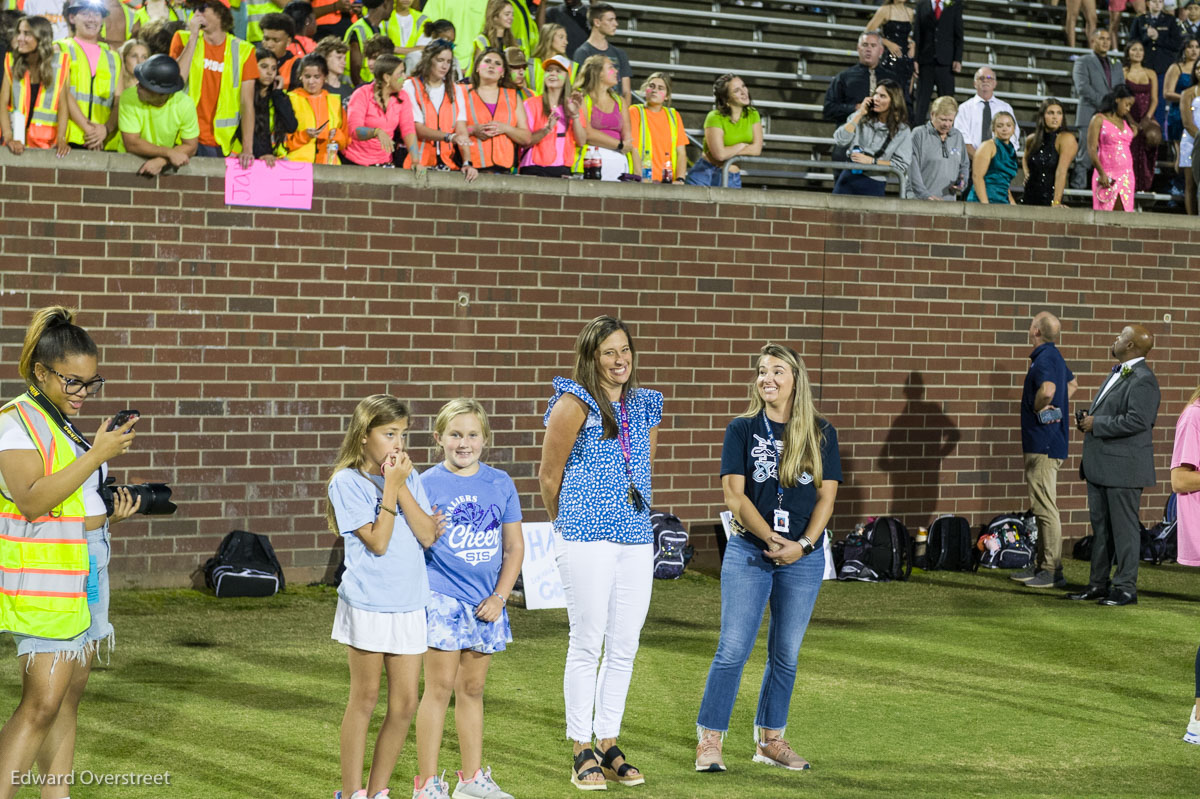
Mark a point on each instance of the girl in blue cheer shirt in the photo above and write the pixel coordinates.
(377, 505)
(472, 569)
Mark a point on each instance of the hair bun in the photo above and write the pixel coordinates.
(60, 316)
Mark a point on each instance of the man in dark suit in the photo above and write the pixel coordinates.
(938, 34)
(1118, 462)
(1095, 75)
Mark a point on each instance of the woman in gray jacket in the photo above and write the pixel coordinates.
(875, 133)
(940, 164)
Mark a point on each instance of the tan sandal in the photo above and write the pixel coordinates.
(577, 776)
(624, 773)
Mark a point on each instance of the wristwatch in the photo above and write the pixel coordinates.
(808, 545)
(447, 137)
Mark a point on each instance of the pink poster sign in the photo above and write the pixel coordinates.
(287, 184)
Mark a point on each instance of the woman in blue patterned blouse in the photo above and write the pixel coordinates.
(601, 432)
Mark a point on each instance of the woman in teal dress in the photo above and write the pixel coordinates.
(995, 164)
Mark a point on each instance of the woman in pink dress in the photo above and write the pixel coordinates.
(1185, 482)
(1109, 137)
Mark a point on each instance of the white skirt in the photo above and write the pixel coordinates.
(373, 631)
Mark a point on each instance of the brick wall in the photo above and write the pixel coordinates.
(245, 337)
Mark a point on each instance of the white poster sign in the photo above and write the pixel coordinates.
(543, 585)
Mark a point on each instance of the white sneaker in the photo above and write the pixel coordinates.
(359, 794)
(1192, 735)
(480, 786)
(382, 794)
(434, 788)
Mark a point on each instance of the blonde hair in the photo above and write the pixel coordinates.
(497, 37)
(943, 105)
(665, 78)
(52, 335)
(588, 80)
(458, 407)
(1195, 396)
(542, 51)
(802, 434)
(373, 411)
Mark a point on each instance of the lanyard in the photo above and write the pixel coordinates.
(57, 417)
(775, 455)
(624, 439)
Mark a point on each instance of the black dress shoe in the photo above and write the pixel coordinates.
(1118, 598)
(1089, 594)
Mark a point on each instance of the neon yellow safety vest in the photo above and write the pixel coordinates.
(142, 17)
(255, 11)
(581, 150)
(128, 14)
(229, 103)
(43, 126)
(362, 31)
(44, 563)
(391, 28)
(95, 94)
(673, 121)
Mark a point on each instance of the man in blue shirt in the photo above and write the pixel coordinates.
(1049, 385)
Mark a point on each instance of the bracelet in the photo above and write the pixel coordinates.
(447, 137)
(497, 594)
(1056, 202)
(386, 508)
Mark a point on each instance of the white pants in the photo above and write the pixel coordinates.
(612, 164)
(607, 587)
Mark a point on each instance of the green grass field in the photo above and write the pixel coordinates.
(948, 685)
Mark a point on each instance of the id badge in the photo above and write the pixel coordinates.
(782, 524)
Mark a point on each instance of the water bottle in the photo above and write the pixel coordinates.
(668, 176)
(853, 150)
(647, 171)
(331, 153)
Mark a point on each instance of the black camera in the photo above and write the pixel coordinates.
(1079, 414)
(155, 497)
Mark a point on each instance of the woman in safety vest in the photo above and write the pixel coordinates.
(606, 121)
(554, 124)
(320, 120)
(439, 105)
(497, 30)
(495, 117)
(52, 516)
(552, 41)
(35, 82)
(658, 132)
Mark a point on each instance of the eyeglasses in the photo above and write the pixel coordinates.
(75, 387)
(986, 79)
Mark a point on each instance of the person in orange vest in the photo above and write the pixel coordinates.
(495, 117)
(320, 120)
(53, 517)
(221, 73)
(658, 132)
(554, 123)
(439, 105)
(32, 94)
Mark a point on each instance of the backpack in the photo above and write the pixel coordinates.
(881, 552)
(245, 565)
(949, 545)
(1160, 543)
(1083, 548)
(670, 543)
(1009, 541)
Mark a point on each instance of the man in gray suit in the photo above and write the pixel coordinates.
(1118, 462)
(1096, 74)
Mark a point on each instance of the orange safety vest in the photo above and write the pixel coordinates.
(43, 127)
(498, 150)
(445, 123)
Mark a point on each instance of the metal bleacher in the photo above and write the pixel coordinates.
(788, 52)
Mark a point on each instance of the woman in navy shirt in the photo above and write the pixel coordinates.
(601, 431)
(780, 471)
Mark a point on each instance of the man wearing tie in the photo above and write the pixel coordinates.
(938, 35)
(1095, 75)
(975, 115)
(1118, 462)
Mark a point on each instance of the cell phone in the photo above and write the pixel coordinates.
(1050, 415)
(122, 417)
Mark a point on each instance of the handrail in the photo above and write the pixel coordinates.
(901, 175)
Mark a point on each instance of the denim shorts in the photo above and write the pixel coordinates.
(453, 626)
(705, 173)
(87, 643)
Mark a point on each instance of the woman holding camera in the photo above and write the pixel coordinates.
(876, 133)
(52, 515)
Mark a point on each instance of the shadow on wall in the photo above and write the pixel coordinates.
(917, 443)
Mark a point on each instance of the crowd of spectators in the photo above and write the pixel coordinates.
(524, 86)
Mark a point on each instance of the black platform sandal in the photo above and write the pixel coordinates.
(622, 773)
(577, 776)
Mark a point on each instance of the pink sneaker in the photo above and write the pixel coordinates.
(434, 788)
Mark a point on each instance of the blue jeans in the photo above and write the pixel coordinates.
(748, 583)
(704, 173)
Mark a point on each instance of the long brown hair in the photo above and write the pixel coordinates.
(587, 366)
(424, 67)
(43, 31)
(897, 113)
(52, 335)
(802, 434)
(373, 411)
(497, 37)
(385, 65)
(588, 79)
(1039, 133)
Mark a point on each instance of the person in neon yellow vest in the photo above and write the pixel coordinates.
(658, 132)
(404, 27)
(467, 16)
(221, 73)
(52, 516)
(368, 26)
(94, 78)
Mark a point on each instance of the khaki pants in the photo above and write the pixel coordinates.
(1041, 475)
